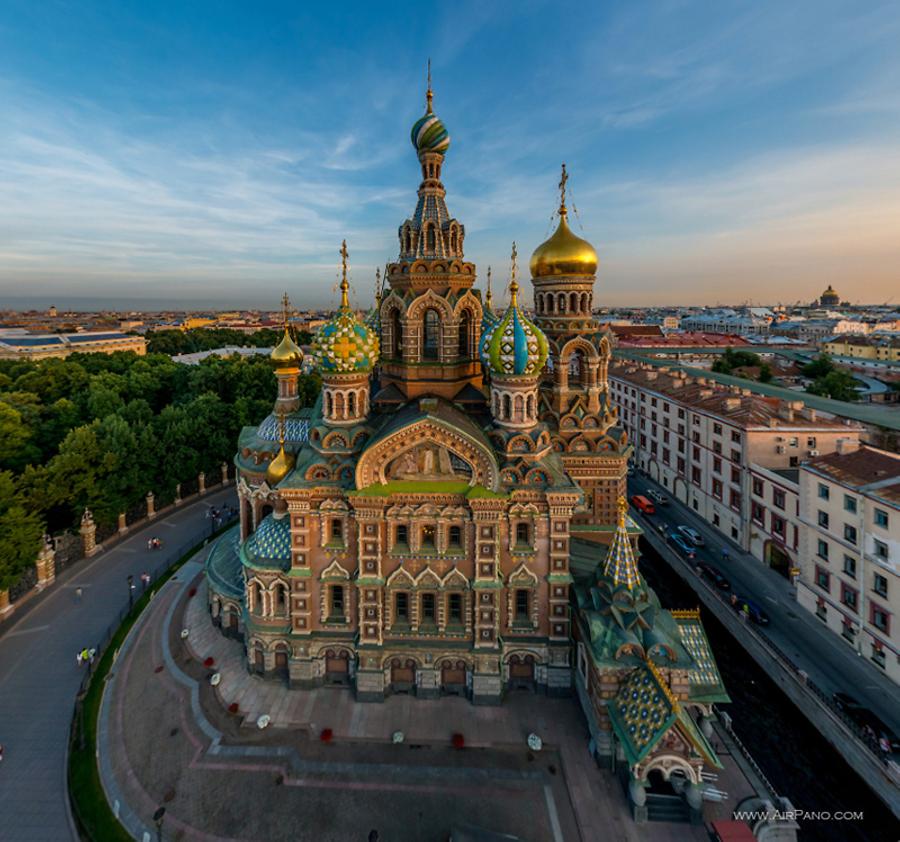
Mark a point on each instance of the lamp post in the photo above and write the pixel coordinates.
(130, 591)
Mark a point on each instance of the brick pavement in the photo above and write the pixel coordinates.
(165, 736)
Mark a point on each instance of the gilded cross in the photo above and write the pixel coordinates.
(343, 347)
(562, 187)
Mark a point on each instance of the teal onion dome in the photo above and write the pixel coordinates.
(515, 346)
(271, 543)
(428, 133)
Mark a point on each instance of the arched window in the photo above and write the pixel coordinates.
(396, 336)
(549, 304)
(577, 369)
(280, 600)
(408, 241)
(585, 304)
(256, 598)
(519, 405)
(431, 340)
(432, 243)
(329, 405)
(562, 303)
(338, 405)
(453, 239)
(507, 407)
(530, 410)
(465, 330)
(351, 404)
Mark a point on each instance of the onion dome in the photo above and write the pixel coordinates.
(279, 467)
(428, 132)
(345, 345)
(515, 346)
(564, 253)
(272, 540)
(287, 352)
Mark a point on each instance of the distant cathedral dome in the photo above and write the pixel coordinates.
(564, 253)
(345, 345)
(515, 346)
(829, 298)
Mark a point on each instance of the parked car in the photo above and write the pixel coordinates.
(642, 504)
(692, 535)
(679, 541)
(751, 609)
(657, 497)
(708, 572)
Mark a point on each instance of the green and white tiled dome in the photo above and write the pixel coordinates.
(428, 133)
(345, 345)
(515, 346)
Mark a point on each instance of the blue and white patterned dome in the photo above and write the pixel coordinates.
(272, 540)
(515, 346)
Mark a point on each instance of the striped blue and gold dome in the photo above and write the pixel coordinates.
(515, 346)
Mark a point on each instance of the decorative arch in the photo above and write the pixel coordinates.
(400, 578)
(334, 571)
(374, 461)
(455, 579)
(668, 763)
(427, 579)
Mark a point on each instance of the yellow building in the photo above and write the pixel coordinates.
(197, 321)
(882, 348)
(27, 346)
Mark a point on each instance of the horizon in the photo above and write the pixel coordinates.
(197, 161)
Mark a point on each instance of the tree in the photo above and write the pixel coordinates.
(837, 384)
(20, 533)
(819, 367)
(13, 433)
(765, 373)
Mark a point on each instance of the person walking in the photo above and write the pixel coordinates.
(78, 657)
(84, 655)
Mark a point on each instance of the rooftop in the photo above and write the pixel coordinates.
(867, 469)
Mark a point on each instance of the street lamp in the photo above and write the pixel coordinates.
(130, 591)
(158, 817)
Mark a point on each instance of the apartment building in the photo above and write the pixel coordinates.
(875, 347)
(28, 346)
(774, 530)
(699, 438)
(850, 549)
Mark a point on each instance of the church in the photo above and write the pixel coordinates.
(449, 517)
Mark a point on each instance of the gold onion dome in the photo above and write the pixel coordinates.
(287, 352)
(564, 253)
(279, 467)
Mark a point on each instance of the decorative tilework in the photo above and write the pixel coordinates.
(295, 429)
(345, 346)
(272, 540)
(641, 712)
(515, 346)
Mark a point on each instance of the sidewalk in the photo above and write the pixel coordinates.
(825, 657)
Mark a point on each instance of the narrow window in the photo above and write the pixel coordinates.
(522, 598)
(523, 534)
(427, 607)
(337, 529)
(454, 607)
(428, 537)
(432, 335)
(396, 336)
(337, 601)
(401, 604)
(401, 535)
(464, 331)
(455, 537)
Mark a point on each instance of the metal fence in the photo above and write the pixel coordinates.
(869, 740)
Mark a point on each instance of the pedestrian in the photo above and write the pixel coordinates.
(78, 593)
(885, 745)
(92, 653)
(78, 658)
(149, 543)
(84, 655)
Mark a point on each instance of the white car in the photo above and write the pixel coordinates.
(661, 499)
(692, 535)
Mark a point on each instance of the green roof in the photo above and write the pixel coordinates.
(412, 487)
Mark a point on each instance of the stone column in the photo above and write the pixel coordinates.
(6, 607)
(123, 525)
(224, 473)
(46, 568)
(178, 494)
(88, 533)
(151, 505)
(201, 482)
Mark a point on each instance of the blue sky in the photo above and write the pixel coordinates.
(217, 153)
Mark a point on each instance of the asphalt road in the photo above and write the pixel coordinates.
(39, 676)
(824, 656)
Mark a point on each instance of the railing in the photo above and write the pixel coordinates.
(725, 721)
(867, 739)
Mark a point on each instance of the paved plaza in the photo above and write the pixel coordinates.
(167, 739)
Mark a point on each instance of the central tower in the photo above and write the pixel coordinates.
(430, 316)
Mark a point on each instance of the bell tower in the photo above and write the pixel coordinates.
(430, 316)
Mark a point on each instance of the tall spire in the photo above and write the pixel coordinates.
(377, 287)
(564, 178)
(513, 273)
(429, 94)
(345, 287)
(621, 565)
(489, 296)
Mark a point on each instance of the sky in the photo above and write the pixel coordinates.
(215, 154)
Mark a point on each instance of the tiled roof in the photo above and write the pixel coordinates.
(271, 542)
(705, 680)
(641, 712)
(865, 469)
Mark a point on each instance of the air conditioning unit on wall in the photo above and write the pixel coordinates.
(779, 448)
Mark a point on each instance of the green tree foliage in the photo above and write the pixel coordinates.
(819, 367)
(100, 431)
(837, 384)
(765, 373)
(206, 339)
(732, 359)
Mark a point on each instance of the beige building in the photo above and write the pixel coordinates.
(699, 438)
(25, 346)
(774, 530)
(850, 549)
(874, 347)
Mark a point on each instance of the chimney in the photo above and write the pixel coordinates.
(845, 446)
(732, 404)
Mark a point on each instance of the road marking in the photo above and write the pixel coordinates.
(771, 598)
(26, 631)
(554, 818)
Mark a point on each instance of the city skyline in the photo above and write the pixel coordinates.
(220, 159)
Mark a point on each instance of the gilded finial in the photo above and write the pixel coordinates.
(345, 299)
(285, 311)
(377, 287)
(489, 296)
(281, 428)
(513, 272)
(562, 190)
(429, 94)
